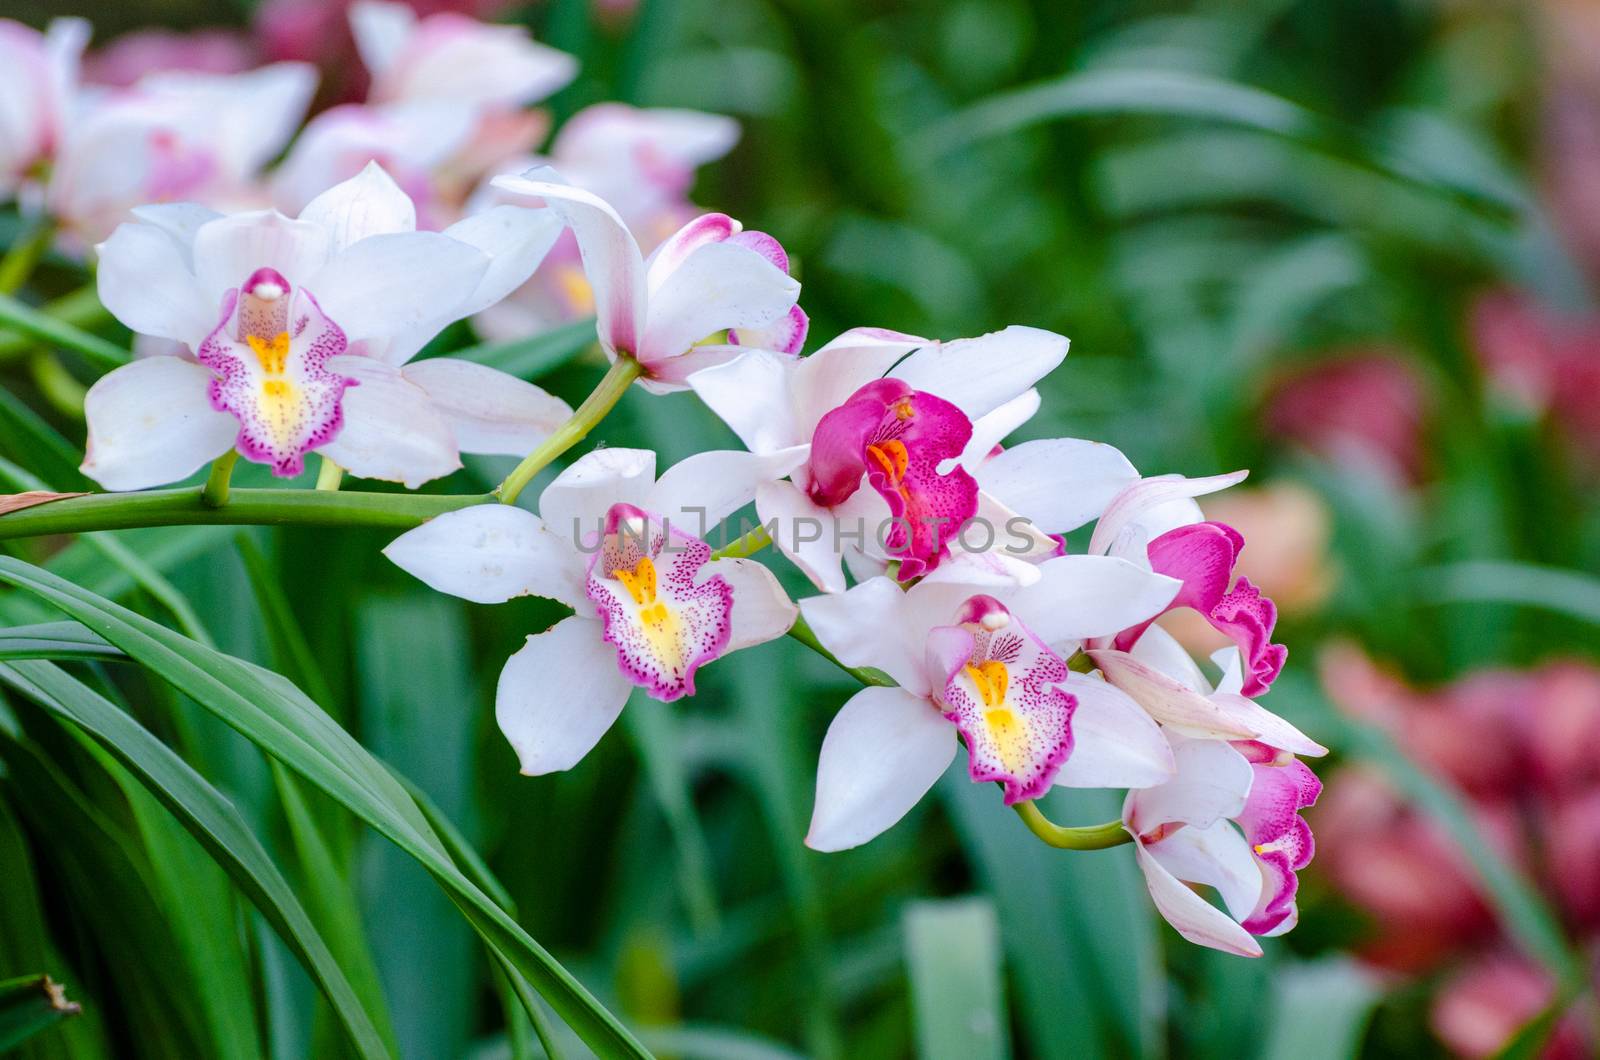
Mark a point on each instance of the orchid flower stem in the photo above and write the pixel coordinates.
(53, 331)
(1088, 837)
(329, 476)
(589, 414)
(214, 494)
(23, 257)
(746, 546)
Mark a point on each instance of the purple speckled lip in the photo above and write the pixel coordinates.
(268, 356)
(897, 437)
(998, 683)
(663, 623)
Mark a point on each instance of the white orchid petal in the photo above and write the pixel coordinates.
(228, 250)
(1159, 649)
(805, 533)
(868, 626)
(389, 285)
(145, 281)
(575, 504)
(488, 410)
(718, 286)
(827, 378)
(1191, 915)
(992, 428)
(1058, 483)
(1078, 597)
(700, 491)
(368, 204)
(1115, 743)
(979, 375)
(1139, 505)
(1211, 784)
(751, 395)
(559, 694)
(392, 431)
(883, 751)
(151, 422)
(1215, 856)
(515, 238)
(491, 553)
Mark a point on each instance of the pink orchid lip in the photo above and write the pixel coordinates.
(1279, 837)
(896, 437)
(270, 371)
(999, 685)
(663, 623)
(1203, 556)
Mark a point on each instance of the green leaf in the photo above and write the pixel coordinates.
(30, 1005)
(1174, 93)
(953, 957)
(537, 356)
(58, 333)
(1564, 592)
(1320, 1010)
(1077, 928)
(212, 819)
(54, 640)
(39, 447)
(275, 715)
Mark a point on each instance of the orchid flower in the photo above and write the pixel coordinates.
(173, 137)
(319, 319)
(1156, 520)
(989, 665)
(889, 411)
(650, 604)
(642, 162)
(38, 79)
(709, 277)
(1229, 819)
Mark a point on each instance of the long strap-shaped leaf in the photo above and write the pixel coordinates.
(211, 819)
(272, 713)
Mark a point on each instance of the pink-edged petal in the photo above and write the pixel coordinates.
(574, 506)
(491, 553)
(979, 375)
(762, 611)
(1116, 744)
(151, 422)
(670, 256)
(1059, 483)
(281, 385)
(1161, 651)
(1078, 597)
(787, 334)
(230, 249)
(700, 491)
(368, 204)
(1152, 506)
(1211, 784)
(718, 286)
(488, 411)
(1248, 617)
(806, 533)
(1191, 915)
(1279, 838)
(558, 695)
(992, 428)
(750, 393)
(1000, 685)
(144, 280)
(392, 429)
(611, 258)
(664, 614)
(672, 375)
(1214, 856)
(883, 751)
(868, 626)
(388, 285)
(826, 379)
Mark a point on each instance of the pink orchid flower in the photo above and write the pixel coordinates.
(320, 317)
(710, 277)
(1229, 819)
(987, 665)
(890, 411)
(38, 86)
(134, 55)
(650, 604)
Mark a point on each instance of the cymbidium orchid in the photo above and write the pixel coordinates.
(319, 317)
(709, 278)
(906, 417)
(641, 161)
(38, 82)
(650, 604)
(1229, 819)
(985, 662)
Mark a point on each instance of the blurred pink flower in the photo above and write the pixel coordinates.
(1480, 1008)
(1544, 363)
(130, 57)
(38, 84)
(1365, 407)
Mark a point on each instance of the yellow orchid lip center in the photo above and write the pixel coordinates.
(991, 679)
(640, 582)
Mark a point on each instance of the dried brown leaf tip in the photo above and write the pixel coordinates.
(17, 501)
(54, 990)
